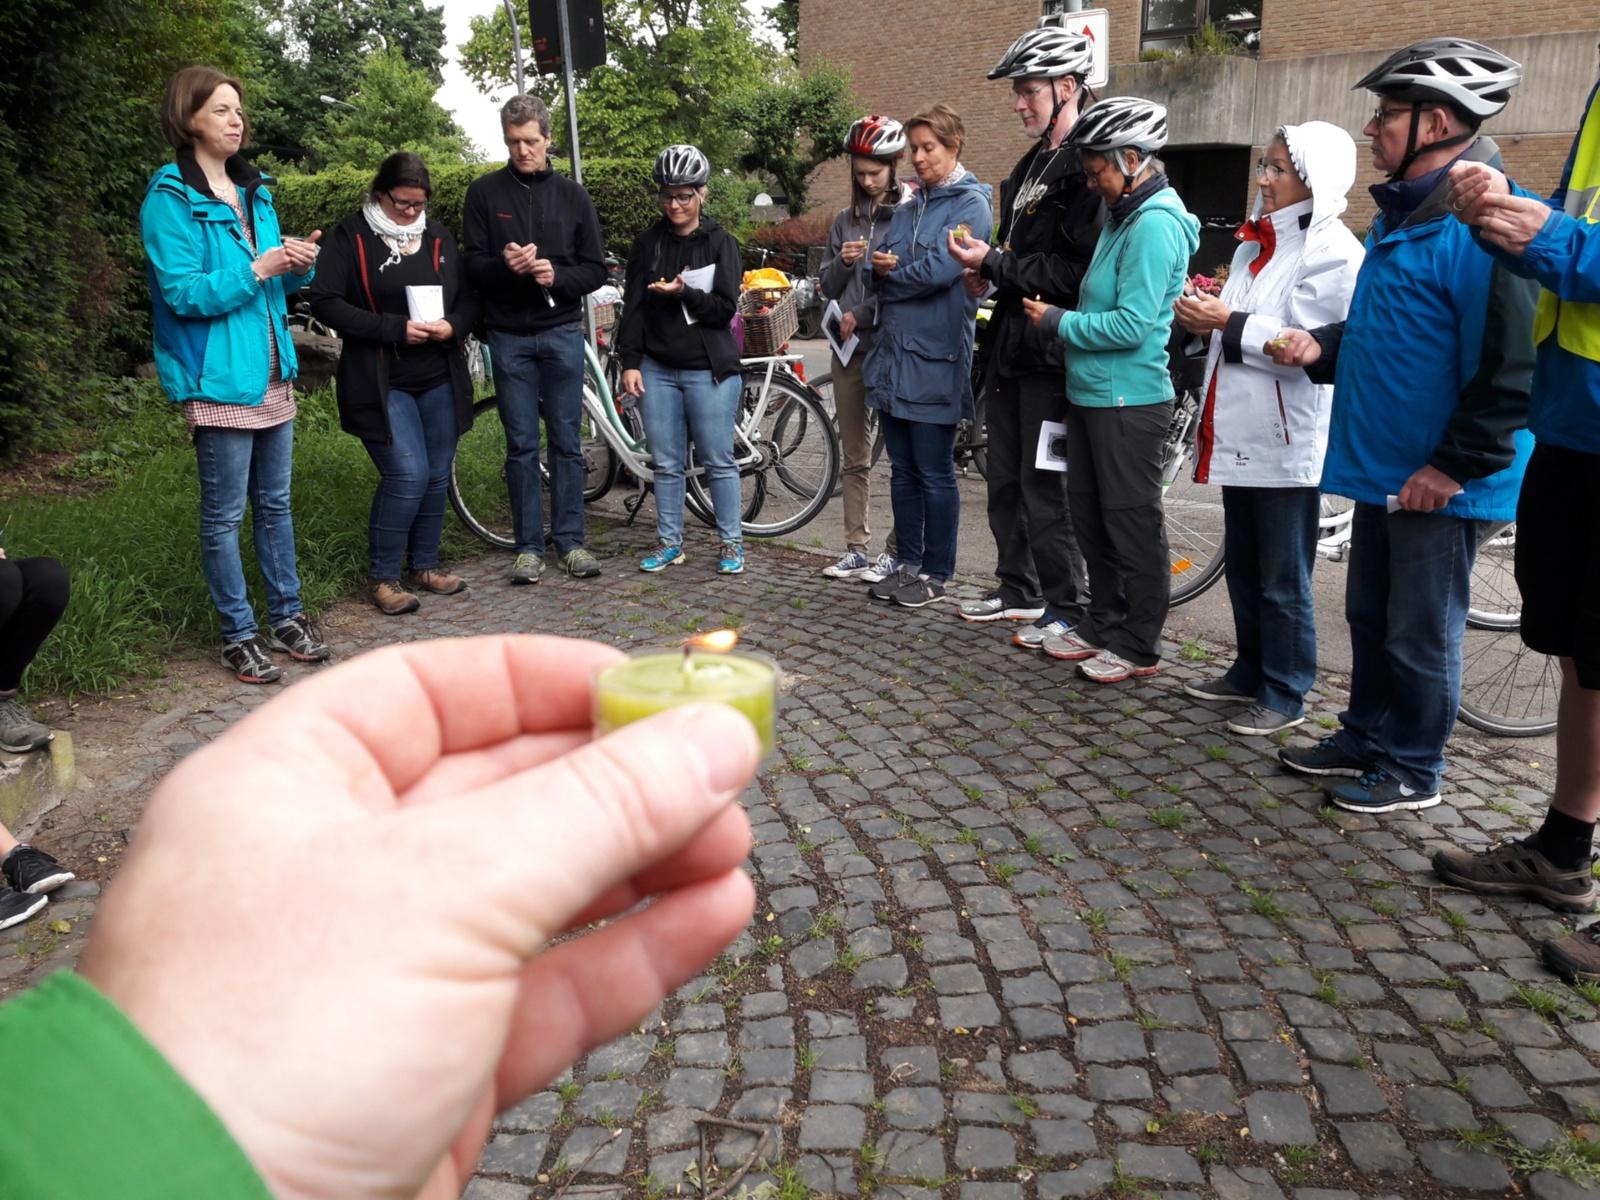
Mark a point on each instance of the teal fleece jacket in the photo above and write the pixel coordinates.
(1117, 337)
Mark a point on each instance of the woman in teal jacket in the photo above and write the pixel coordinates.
(1119, 391)
(219, 273)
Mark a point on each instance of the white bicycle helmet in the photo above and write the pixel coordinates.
(876, 137)
(1469, 76)
(1048, 52)
(1121, 123)
(681, 166)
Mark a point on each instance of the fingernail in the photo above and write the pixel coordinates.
(724, 741)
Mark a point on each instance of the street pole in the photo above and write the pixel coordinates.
(565, 22)
(516, 46)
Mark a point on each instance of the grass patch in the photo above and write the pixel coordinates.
(1546, 1005)
(1171, 817)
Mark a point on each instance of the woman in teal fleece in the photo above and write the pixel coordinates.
(1119, 391)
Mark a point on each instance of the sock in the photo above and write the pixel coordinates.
(1565, 841)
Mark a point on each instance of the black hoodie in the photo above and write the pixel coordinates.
(552, 213)
(653, 324)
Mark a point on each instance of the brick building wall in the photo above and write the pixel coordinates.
(1295, 28)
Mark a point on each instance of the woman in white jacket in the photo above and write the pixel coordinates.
(1263, 428)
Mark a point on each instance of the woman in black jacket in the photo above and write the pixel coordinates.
(390, 281)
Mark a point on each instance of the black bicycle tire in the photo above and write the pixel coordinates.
(475, 526)
(802, 395)
(1193, 587)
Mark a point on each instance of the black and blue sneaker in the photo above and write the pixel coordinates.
(1325, 757)
(1377, 791)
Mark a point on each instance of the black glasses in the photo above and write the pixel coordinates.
(408, 206)
(681, 199)
(1381, 116)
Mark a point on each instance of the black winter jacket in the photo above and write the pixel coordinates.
(658, 254)
(341, 296)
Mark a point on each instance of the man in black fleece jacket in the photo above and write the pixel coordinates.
(533, 252)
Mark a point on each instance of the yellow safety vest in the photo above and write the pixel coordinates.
(1577, 326)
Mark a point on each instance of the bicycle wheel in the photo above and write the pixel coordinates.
(478, 477)
(1191, 511)
(976, 445)
(1506, 689)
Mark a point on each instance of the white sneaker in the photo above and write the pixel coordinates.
(995, 608)
(1031, 637)
(881, 568)
(851, 565)
(1107, 667)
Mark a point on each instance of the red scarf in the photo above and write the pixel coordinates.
(1263, 233)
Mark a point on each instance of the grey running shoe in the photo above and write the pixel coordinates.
(526, 568)
(1517, 868)
(1261, 720)
(580, 564)
(19, 732)
(1218, 689)
(1323, 758)
(997, 608)
(1032, 637)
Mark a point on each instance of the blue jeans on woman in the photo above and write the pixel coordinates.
(413, 475)
(1406, 600)
(922, 493)
(255, 465)
(680, 405)
(1271, 540)
(540, 376)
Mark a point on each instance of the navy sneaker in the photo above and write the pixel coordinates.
(1324, 758)
(33, 872)
(1377, 791)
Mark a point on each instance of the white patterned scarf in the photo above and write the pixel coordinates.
(401, 239)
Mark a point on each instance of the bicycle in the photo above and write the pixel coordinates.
(784, 446)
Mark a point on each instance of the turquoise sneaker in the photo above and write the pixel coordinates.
(732, 560)
(661, 558)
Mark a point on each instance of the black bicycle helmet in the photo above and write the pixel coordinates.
(681, 166)
(1048, 52)
(1470, 77)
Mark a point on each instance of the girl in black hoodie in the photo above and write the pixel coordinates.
(403, 385)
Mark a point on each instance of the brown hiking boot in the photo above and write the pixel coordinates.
(440, 583)
(1519, 869)
(1575, 958)
(390, 598)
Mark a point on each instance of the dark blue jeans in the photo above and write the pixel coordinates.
(922, 492)
(1271, 539)
(540, 375)
(1406, 601)
(413, 476)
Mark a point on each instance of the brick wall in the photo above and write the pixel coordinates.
(1291, 28)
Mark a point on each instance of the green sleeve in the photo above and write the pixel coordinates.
(89, 1109)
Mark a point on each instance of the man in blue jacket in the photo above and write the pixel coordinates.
(1556, 243)
(1431, 372)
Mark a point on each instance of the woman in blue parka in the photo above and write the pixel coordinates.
(219, 273)
(919, 373)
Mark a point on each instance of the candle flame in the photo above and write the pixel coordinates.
(719, 641)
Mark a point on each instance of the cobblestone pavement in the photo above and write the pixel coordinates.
(1020, 937)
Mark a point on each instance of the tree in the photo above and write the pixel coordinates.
(392, 109)
(670, 63)
(792, 125)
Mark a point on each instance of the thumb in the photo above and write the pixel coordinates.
(316, 235)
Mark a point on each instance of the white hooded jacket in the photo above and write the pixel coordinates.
(1262, 425)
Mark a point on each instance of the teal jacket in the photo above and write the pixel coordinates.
(209, 315)
(1117, 337)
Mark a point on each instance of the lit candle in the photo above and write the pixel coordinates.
(704, 670)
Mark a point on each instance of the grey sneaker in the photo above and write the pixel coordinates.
(1031, 637)
(1323, 758)
(996, 607)
(19, 732)
(1260, 720)
(1218, 689)
(578, 563)
(526, 568)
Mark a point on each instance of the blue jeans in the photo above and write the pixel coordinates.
(255, 465)
(1406, 601)
(413, 476)
(680, 405)
(922, 492)
(541, 375)
(1271, 540)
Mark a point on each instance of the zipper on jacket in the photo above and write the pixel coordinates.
(1283, 415)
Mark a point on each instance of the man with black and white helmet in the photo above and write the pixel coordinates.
(1431, 373)
(1049, 220)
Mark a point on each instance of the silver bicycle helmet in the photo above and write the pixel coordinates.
(876, 137)
(681, 166)
(1469, 76)
(1121, 123)
(1048, 52)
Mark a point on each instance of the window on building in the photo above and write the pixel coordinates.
(1169, 24)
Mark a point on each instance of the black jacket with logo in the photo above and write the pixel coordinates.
(554, 214)
(1052, 240)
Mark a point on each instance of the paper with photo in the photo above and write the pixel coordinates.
(700, 279)
(425, 302)
(832, 317)
(1052, 452)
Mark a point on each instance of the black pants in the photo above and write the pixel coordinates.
(33, 595)
(1037, 556)
(1114, 488)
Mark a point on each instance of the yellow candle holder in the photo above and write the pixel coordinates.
(655, 680)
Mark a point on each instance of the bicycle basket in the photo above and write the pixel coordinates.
(771, 317)
(605, 316)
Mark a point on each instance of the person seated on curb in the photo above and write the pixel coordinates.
(1431, 372)
(1263, 429)
(33, 595)
(30, 876)
(274, 1001)
(1558, 524)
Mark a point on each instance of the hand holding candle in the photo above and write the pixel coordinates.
(703, 670)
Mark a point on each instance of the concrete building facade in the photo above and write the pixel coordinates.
(1300, 59)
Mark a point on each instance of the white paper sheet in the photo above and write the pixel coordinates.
(831, 317)
(1052, 452)
(425, 301)
(1392, 503)
(700, 279)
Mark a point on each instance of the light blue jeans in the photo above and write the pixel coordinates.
(678, 406)
(255, 465)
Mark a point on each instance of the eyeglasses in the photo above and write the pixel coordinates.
(1028, 93)
(1381, 116)
(681, 199)
(408, 206)
(1272, 171)
(1095, 172)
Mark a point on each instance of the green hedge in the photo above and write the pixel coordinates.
(621, 188)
